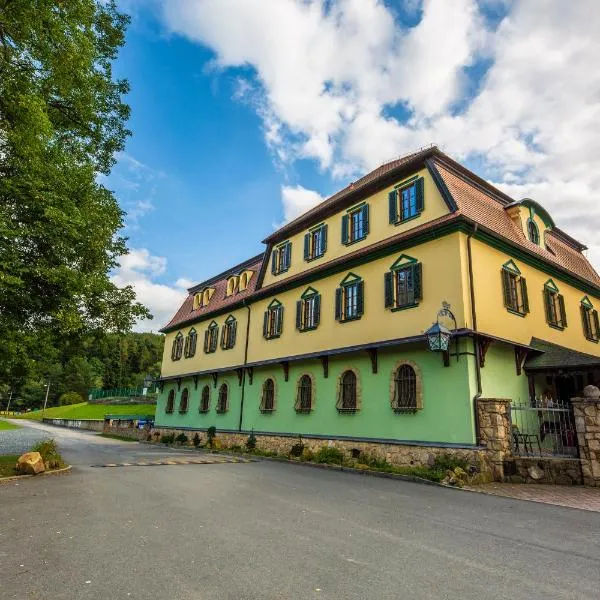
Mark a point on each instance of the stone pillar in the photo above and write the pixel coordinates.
(494, 432)
(587, 424)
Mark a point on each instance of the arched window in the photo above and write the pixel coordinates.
(177, 348)
(532, 232)
(304, 398)
(223, 398)
(347, 396)
(205, 399)
(183, 403)
(405, 389)
(170, 402)
(267, 403)
(245, 278)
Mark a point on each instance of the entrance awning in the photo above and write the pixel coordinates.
(546, 356)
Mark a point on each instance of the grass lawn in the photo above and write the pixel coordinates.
(89, 411)
(7, 464)
(4, 426)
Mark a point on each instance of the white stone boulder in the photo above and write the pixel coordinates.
(30, 463)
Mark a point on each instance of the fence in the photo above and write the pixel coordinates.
(119, 393)
(544, 430)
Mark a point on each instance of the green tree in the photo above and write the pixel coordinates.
(62, 120)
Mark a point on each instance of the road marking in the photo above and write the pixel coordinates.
(166, 461)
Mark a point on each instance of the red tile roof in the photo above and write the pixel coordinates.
(219, 300)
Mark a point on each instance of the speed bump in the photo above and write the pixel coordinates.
(177, 461)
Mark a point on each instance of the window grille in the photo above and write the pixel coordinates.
(405, 389)
(170, 402)
(205, 399)
(347, 395)
(304, 399)
(268, 396)
(183, 403)
(222, 404)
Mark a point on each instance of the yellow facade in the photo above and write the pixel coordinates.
(494, 319)
(379, 228)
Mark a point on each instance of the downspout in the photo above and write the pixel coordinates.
(244, 367)
(475, 337)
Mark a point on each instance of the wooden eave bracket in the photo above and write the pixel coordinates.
(195, 382)
(325, 363)
(373, 356)
(286, 370)
(215, 376)
(240, 374)
(520, 356)
(484, 346)
(178, 383)
(250, 372)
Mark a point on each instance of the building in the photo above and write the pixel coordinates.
(323, 335)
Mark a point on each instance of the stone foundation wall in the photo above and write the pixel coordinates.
(495, 432)
(558, 471)
(87, 424)
(395, 454)
(587, 423)
(129, 432)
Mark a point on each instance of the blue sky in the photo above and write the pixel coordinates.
(247, 112)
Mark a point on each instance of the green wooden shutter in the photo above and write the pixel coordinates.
(506, 287)
(547, 307)
(317, 302)
(174, 349)
(393, 206)
(288, 255)
(206, 341)
(596, 333)
(388, 289)
(584, 321)
(266, 324)
(274, 254)
(307, 246)
(324, 238)
(360, 298)
(365, 215)
(338, 304)
(278, 320)
(299, 314)
(223, 340)
(345, 229)
(214, 339)
(418, 281)
(563, 314)
(186, 349)
(420, 194)
(233, 334)
(524, 297)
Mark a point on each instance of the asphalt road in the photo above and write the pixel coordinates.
(275, 531)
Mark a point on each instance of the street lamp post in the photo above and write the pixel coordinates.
(47, 386)
(438, 335)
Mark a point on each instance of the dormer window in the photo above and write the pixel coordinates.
(197, 301)
(207, 294)
(245, 277)
(232, 285)
(533, 232)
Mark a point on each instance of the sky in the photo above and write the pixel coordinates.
(246, 113)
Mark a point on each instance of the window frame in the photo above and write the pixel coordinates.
(351, 285)
(533, 232)
(211, 338)
(204, 407)
(310, 243)
(514, 289)
(554, 306)
(308, 311)
(170, 404)
(223, 391)
(263, 397)
(281, 258)
(229, 333)
(185, 398)
(413, 404)
(191, 342)
(177, 347)
(306, 384)
(589, 321)
(396, 204)
(408, 265)
(341, 404)
(349, 235)
(273, 320)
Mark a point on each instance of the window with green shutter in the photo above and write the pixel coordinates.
(228, 333)
(308, 310)
(355, 224)
(281, 258)
(407, 201)
(403, 283)
(191, 340)
(514, 288)
(177, 347)
(350, 299)
(589, 320)
(554, 306)
(315, 242)
(273, 320)
(211, 335)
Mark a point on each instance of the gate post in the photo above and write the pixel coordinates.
(495, 432)
(587, 424)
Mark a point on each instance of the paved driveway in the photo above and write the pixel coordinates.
(266, 530)
(18, 441)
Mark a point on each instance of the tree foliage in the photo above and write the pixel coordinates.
(62, 121)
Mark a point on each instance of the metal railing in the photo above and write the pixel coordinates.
(545, 429)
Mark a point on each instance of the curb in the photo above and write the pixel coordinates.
(62, 471)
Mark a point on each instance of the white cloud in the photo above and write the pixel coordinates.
(297, 200)
(330, 76)
(139, 268)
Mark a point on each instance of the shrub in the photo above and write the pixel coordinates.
(211, 434)
(449, 462)
(181, 438)
(251, 441)
(329, 455)
(70, 398)
(167, 438)
(297, 449)
(196, 440)
(50, 454)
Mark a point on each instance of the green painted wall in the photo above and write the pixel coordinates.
(446, 415)
(499, 377)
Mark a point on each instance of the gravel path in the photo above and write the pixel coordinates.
(18, 441)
